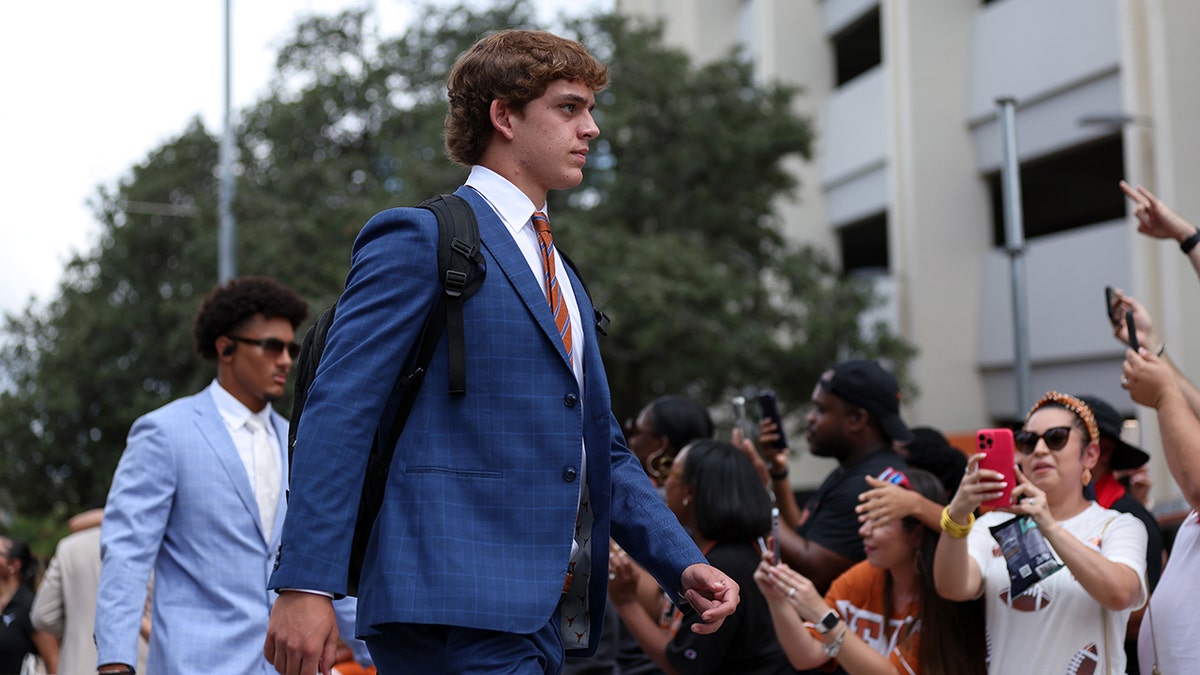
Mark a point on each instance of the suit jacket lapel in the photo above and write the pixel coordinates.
(499, 243)
(216, 436)
(281, 433)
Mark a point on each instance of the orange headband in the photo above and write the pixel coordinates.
(1081, 410)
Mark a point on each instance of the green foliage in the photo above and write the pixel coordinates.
(673, 228)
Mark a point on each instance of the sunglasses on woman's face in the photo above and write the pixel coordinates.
(1055, 438)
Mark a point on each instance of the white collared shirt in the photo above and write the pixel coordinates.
(235, 413)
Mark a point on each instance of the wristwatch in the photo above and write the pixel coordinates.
(827, 622)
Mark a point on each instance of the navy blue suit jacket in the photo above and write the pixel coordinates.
(477, 525)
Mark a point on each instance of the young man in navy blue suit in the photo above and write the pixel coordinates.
(476, 563)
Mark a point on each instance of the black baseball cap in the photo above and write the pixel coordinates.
(866, 384)
(1125, 456)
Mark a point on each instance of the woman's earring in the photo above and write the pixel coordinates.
(1086, 477)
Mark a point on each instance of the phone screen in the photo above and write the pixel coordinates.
(997, 444)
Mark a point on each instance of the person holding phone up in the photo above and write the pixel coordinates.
(883, 614)
(855, 419)
(1169, 640)
(1061, 621)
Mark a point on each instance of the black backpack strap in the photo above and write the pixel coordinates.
(462, 268)
(602, 320)
(311, 349)
(460, 263)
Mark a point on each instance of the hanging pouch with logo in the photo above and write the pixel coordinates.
(1026, 551)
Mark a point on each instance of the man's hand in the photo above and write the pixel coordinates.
(302, 637)
(712, 593)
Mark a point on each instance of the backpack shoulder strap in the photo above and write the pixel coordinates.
(461, 267)
(311, 349)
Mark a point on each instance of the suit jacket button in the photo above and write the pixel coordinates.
(570, 400)
(570, 475)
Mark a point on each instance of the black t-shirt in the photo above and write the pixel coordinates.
(15, 632)
(1127, 503)
(829, 518)
(745, 643)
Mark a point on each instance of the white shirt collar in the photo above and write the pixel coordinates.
(234, 412)
(513, 207)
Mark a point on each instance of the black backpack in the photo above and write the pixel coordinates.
(462, 268)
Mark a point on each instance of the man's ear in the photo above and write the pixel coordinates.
(225, 347)
(501, 115)
(857, 419)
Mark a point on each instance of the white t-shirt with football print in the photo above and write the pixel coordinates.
(1055, 626)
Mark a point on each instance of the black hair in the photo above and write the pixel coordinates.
(681, 419)
(929, 450)
(237, 300)
(953, 632)
(19, 551)
(731, 503)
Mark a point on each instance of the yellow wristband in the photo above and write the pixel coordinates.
(954, 529)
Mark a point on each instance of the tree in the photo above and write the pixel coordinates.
(673, 228)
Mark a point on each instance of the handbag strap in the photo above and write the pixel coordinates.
(1103, 611)
(1153, 641)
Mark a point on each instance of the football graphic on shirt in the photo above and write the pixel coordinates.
(1032, 600)
(1085, 662)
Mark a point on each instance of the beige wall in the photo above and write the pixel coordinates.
(939, 214)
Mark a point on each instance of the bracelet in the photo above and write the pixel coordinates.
(782, 475)
(954, 529)
(832, 649)
(1190, 243)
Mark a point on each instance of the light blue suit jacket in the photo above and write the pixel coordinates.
(476, 528)
(181, 504)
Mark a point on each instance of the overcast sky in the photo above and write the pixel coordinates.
(89, 88)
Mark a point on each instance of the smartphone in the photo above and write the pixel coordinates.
(739, 414)
(1133, 338)
(769, 408)
(775, 534)
(1110, 306)
(997, 444)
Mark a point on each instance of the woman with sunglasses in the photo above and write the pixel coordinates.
(923, 633)
(1072, 621)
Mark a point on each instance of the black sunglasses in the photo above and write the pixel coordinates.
(1055, 438)
(273, 346)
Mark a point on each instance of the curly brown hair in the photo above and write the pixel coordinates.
(514, 66)
(231, 303)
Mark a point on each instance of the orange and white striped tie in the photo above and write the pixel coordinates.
(562, 317)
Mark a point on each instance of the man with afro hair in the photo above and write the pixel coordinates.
(198, 498)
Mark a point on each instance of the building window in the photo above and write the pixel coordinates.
(857, 48)
(1070, 189)
(864, 244)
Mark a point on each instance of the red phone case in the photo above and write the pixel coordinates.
(998, 446)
